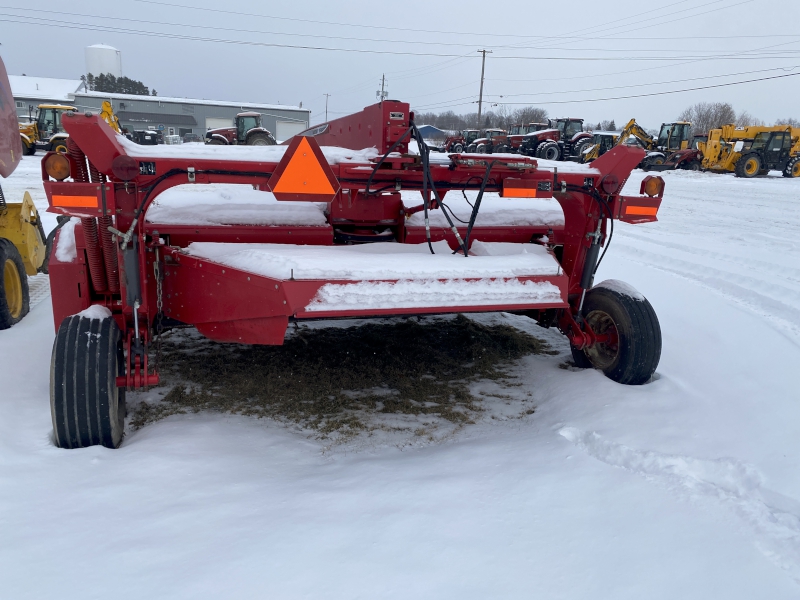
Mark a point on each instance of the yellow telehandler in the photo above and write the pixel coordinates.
(751, 151)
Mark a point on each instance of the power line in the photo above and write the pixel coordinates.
(92, 27)
(637, 85)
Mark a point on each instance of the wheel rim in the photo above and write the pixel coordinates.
(259, 142)
(751, 166)
(458, 148)
(13, 288)
(551, 154)
(658, 160)
(796, 169)
(605, 351)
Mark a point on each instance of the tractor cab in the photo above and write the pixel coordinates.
(674, 136)
(244, 123)
(568, 128)
(48, 119)
(470, 135)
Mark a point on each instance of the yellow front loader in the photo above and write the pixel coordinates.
(23, 246)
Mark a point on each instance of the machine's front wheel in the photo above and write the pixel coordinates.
(87, 407)
(549, 151)
(630, 335)
(14, 295)
(457, 148)
(748, 166)
(793, 168)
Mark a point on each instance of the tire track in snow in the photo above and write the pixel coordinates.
(782, 312)
(733, 484)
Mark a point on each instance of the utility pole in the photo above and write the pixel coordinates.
(326, 105)
(480, 98)
(382, 93)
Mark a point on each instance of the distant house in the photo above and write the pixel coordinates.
(33, 91)
(429, 132)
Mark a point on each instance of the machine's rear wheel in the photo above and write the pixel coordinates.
(549, 151)
(793, 168)
(748, 166)
(87, 407)
(214, 142)
(456, 148)
(630, 334)
(29, 148)
(14, 295)
(260, 139)
(693, 165)
(60, 145)
(481, 149)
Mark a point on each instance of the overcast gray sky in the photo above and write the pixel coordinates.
(542, 52)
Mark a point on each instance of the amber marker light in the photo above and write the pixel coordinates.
(57, 166)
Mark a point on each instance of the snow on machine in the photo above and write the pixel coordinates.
(344, 244)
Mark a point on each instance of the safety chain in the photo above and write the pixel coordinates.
(159, 307)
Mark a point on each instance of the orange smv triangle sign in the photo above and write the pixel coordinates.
(304, 174)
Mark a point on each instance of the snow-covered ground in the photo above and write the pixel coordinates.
(688, 487)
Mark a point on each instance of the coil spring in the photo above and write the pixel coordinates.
(80, 161)
(3, 204)
(109, 253)
(94, 253)
(97, 176)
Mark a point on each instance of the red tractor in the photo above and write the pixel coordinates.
(459, 142)
(247, 131)
(490, 141)
(517, 133)
(564, 140)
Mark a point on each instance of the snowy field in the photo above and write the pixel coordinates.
(688, 487)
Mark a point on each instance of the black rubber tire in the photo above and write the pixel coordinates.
(549, 151)
(13, 282)
(472, 148)
(481, 149)
(748, 165)
(59, 145)
(28, 149)
(792, 168)
(87, 407)
(260, 139)
(692, 165)
(213, 142)
(634, 359)
(581, 146)
(457, 148)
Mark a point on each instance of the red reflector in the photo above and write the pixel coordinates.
(523, 188)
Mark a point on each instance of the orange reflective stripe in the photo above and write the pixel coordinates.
(512, 192)
(304, 174)
(80, 201)
(641, 210)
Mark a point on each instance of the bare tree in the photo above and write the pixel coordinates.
(705, 116)
(745, 119)
(500, 117)
(789, 121)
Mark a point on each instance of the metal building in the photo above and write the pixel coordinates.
(179, 116)
(30, 92)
